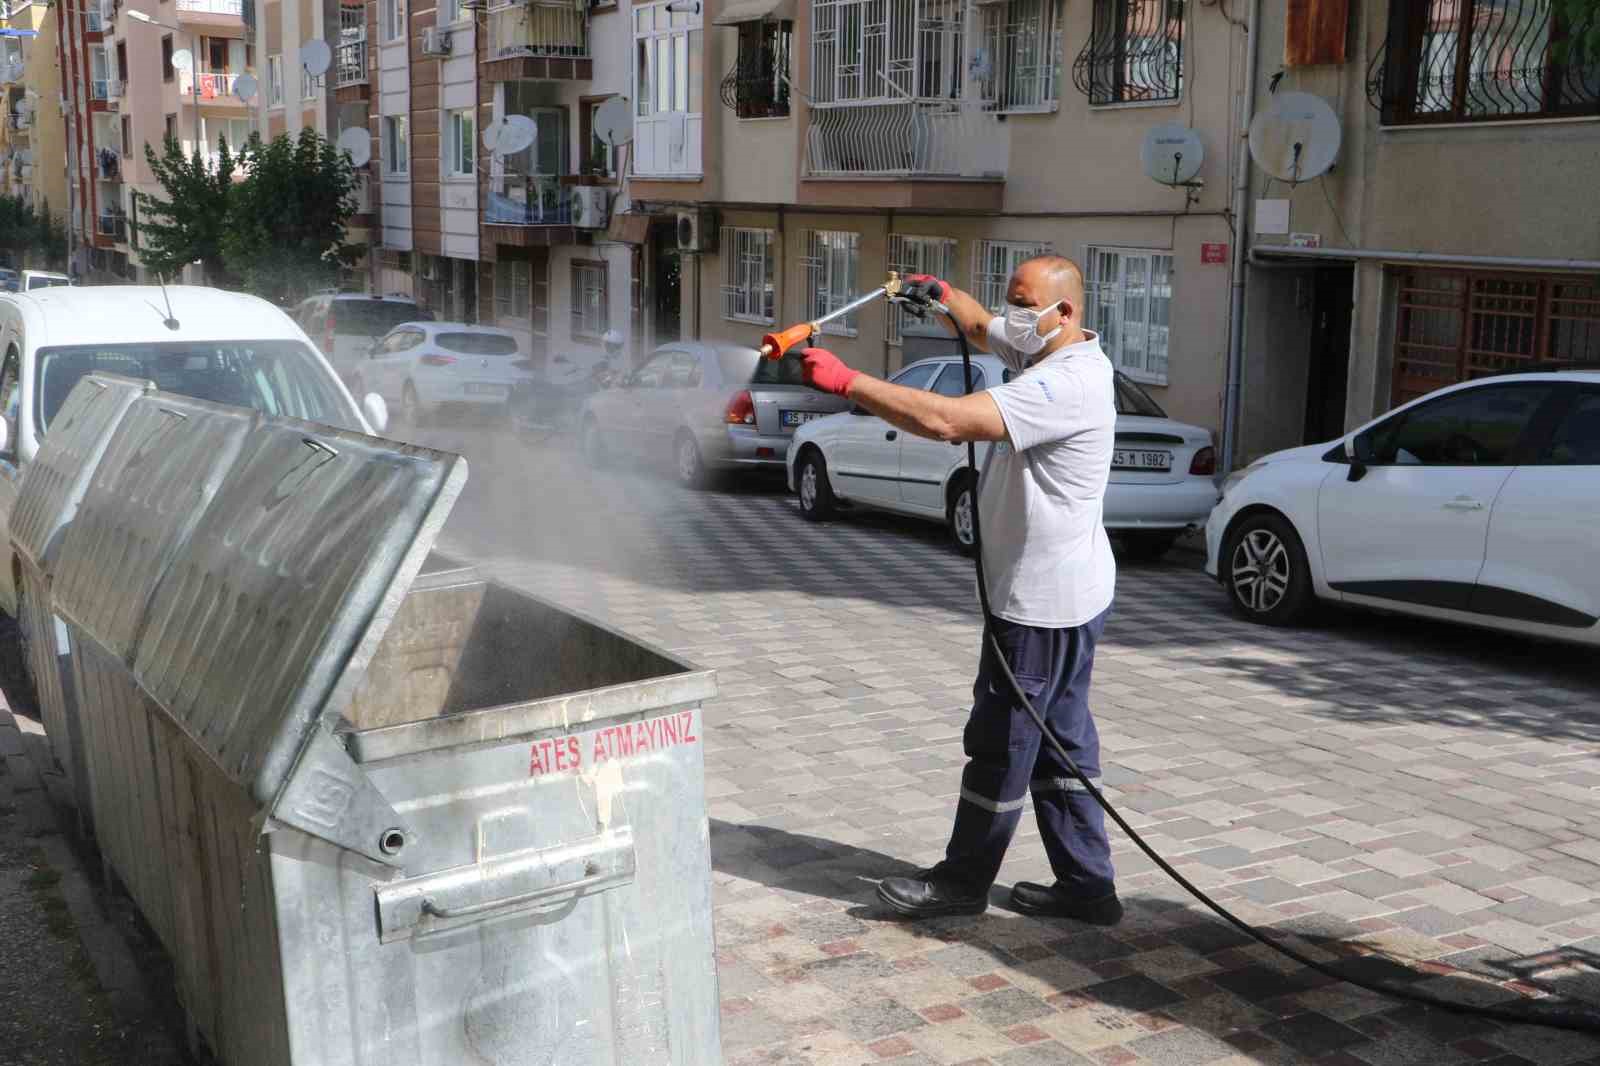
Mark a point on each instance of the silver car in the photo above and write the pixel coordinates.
(709, 407)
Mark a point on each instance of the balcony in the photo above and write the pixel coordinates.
(215, 88)
(915, 139)
(553, 36)
(108, 165)
(234, 8)
(113, 225)
(351, 61)
(104, 90)
(94, 22)
(528, 200)
(21, 123)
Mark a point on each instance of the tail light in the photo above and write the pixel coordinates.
(741, 410)
(436, 360)
(1204, 463)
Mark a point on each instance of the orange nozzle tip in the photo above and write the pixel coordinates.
(777, 345)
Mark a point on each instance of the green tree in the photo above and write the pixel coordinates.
(285, 236)
(186, 224)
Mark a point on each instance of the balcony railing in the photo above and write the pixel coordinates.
(114, 226)
(555, 30)
(105, 89)
(213, 86)
(212, 7)
(528, 200)
(351, 62)
(913, 139)
(93, 22)
(109, 165)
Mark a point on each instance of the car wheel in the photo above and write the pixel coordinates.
(815, 492)
(1266, 572)
(16, 665)
(959, 514)
(690, 467)
(1147, 545)
(594, 443)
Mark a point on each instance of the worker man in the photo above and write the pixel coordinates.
(1050, 575)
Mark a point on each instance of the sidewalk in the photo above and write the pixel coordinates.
(71, 991)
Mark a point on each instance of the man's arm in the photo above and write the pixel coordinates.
(972, 316)
(925, 413)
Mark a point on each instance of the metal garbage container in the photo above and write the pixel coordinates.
(378, 809)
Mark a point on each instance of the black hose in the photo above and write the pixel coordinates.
(1557, 1015)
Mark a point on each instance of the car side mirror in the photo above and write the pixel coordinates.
(376, 410)
(1358, 469)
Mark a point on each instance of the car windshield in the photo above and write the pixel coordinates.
(479, 343)
(1133, 400)
(280, 377)
(786, 371)
(45, 283)
(373, 318)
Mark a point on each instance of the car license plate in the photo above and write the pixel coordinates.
(797, 418)
(1127, 459)
(478, 388)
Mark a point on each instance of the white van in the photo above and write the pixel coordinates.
(41, 279)
(214, 345)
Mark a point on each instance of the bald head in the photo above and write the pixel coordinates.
(1052, 284)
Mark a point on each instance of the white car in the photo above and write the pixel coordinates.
(1161, 475)
(1478, 503)
(347, 324)
(425, 366)
(222, 346)
(41, 279)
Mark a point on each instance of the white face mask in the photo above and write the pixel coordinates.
(1022, 329)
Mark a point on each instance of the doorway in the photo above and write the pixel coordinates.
(1327, 379)
(666, 270)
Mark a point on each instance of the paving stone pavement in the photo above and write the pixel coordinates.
(1376, 790)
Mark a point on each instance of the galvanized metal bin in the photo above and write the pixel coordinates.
(376, 814)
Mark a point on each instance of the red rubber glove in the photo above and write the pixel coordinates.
(825, 371)
(927, 287)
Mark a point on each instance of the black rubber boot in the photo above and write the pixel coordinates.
(1049, 901)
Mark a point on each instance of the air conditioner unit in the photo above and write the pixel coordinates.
(697, 230)
(589, 203)
(435, 42)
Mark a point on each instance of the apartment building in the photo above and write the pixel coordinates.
(1457, 234)
(30, 133)
(136, 72)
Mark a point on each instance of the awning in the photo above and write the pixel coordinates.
(737, 11)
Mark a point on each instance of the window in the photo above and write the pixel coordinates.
(598, 156)
(916, 376)
(10, 402)
(275, 81)
(308, 85)
(1474, 427)
(170, 128)
(747, 293)
(1019, 63)
(1454, 326)
(667, 72)
(758, 85)
(216, 49)
(590, 311)
(461, 146)
(167, 70)
(869, 51)
(917, 255)
(1510, 69)
(953, 380)
(1134, 53)
(449, 12)
(1576, 441)
(396, 151)
(512, 290)
(828, 277)
(126, 148)
(1129, 303)
(992, 264)
(394, 19)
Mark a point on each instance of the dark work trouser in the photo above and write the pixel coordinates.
(1007, 758)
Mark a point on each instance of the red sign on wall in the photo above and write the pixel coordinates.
(1213, 253)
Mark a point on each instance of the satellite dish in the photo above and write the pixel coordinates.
(491, 134)
(357, 142)
(518, 133)
(613, 121)
(315, 56)
(245, 87)
(182, 59)
(1297, 138)
(1172, 154)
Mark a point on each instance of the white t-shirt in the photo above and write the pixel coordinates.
(1042, 493)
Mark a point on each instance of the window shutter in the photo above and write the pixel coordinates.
(1314, 34)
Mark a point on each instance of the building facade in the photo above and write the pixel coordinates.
(1456, 235)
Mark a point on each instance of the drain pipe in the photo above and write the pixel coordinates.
(1241, 235)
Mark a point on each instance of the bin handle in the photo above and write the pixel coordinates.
(432, 909)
